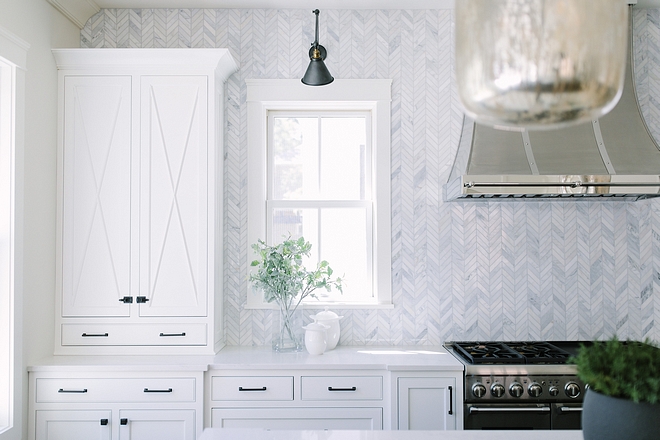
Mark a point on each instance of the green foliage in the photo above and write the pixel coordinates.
(282, 276)
(628, 370)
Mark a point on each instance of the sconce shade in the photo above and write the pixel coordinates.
(540, 63)
(317, 73)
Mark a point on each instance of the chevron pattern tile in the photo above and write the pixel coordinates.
(502, 271)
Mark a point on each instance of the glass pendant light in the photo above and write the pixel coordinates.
(317, 73)
(540, 63)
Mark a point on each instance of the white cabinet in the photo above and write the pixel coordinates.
(140, 200)
(73, 425)
(296, 399)
(427, 402)
(298, 418)
(71, 405)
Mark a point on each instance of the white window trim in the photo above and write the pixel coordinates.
(13, 52)
(372, 95)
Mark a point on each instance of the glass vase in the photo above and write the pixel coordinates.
(287, 325)
(540, 63)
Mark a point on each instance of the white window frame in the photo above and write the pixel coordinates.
(13, 59)
(371, 95)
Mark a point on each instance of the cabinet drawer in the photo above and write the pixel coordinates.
(252, 388)
(115, 390)
(342, 388)
(133, 334)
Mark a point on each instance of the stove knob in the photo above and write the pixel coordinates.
(553, 390)
(535, 390)
(516, 390)
(572, 390)
(497, 390)
(478, 390)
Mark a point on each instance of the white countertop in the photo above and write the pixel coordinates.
(259, 434)
(427, 358)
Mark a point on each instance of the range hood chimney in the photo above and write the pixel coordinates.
(614, 157)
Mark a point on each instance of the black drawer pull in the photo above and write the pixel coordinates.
(147, 390)
(94, 335)
(165, 335)
(104, 422)
(123, 422)
(342, 389)
(62, 390)
(251, 389)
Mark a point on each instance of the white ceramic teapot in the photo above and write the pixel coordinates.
(330, 319)
(315, 338)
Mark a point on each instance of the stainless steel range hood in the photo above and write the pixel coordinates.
(614, 157)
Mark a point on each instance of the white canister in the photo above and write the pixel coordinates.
(330, 319)
(315, 335)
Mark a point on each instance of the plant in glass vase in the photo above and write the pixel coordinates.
(283, 278)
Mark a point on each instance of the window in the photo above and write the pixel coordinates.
(320, 168)
(12, 56)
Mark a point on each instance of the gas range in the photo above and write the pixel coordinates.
(533, 382)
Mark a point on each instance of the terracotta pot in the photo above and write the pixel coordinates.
(611, 418)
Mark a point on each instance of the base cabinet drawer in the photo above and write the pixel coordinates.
(94, 390)
(251, 388)
(298, 418)
(342, 388)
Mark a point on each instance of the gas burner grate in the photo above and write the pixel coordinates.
(488, 353)
(539, 352)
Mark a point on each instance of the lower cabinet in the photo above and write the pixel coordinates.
(427, 402)
(70, 405)
(73, 425)
(301, 399)
(131, 425)
(298, 418)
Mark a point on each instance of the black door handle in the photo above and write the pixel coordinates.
(147, 390)
(104, 422)
(123, 422)
(451, 400)
(251, 389)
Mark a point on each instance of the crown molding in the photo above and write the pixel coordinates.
(78, 11)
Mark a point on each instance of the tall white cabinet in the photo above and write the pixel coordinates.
(140, 200)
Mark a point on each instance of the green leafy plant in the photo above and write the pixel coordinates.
(283, 278)
(628, 370)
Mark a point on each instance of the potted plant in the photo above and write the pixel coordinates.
(284, 280)
(623, 395)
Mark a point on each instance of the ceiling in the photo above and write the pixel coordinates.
(300, 4)
(279, 4)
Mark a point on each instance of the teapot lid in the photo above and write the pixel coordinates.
(326, 315)
(316, 326)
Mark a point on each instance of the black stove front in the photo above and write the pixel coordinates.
(520, 385)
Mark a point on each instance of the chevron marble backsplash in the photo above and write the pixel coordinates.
(519, 270)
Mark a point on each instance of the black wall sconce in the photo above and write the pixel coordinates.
(317, 74)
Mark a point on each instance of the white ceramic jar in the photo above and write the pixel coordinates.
(331, 320)
(315, 338)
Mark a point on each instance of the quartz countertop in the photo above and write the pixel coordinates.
(427, 358)
(259, 434)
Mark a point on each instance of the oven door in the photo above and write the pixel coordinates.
(503, 416)
(566, 416)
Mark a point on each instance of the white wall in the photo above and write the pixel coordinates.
(40, 25)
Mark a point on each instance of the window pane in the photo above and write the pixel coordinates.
(341, 240)
(334, 169)
(295, 158)
(343, 158)
(296, 223)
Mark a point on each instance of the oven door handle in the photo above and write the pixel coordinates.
(476, 409)
(565, 409)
